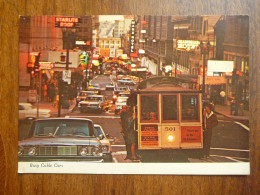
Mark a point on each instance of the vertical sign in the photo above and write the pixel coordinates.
(66, 76)
(132, 38)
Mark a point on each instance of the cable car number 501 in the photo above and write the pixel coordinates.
(169, 128)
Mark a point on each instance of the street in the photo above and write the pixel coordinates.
(230, 139)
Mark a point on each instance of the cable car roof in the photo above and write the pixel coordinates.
(166, 84)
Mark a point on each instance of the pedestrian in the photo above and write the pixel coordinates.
(123, 121)
(131, 133)
(128, 117)
(210, 121)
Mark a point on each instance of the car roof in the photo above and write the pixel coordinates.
(67, 119)
(24, 103)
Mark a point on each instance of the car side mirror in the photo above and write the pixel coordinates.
(107, 135)
(101, 136)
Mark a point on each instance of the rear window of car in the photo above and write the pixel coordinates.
(63, 128)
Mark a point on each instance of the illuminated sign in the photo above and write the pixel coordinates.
(149, 135)
(132, 38)
(46, 65)
(220, 66)
(141, 51)
(66, 22)
(190, 134)
(187, 44)
(80, 43)
(95, 62)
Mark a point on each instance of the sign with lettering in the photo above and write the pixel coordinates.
(188, 45)
(46, 65)
(66, 22)
(66, 76)
(132, 38)
(191, 134)
(149, 135)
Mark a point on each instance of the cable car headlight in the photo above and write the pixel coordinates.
(171, 138)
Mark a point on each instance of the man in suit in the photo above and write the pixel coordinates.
(210, 121)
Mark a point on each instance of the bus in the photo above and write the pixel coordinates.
(169, 118)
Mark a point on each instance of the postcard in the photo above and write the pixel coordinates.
(134, 94)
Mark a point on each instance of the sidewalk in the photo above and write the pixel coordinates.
(225, 110)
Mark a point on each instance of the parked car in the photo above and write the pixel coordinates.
(110, 87)
(120, 102)
(106, 145)
(94, 87)
(95, 103)
(28, 111)
(119, 89)
(126, 81)
(107, 72)
(83, 94)
(62, 139)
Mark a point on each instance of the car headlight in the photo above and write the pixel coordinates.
(83, 151)
(105, 148)
(171, 138)
(96, 151)
(32, 151)
(20, 150)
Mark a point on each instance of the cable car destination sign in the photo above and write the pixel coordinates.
(67, 22)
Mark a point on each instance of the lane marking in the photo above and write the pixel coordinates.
(230, 158)
(242, 125)
(230, 149)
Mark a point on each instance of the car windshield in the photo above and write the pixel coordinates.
(97, 131)
(99, 99)
(95, 85)
(63, 128)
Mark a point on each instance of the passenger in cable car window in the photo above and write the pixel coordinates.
(153, 116)
(189, 114)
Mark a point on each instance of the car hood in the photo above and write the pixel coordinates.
(59, 141)
(90, 102)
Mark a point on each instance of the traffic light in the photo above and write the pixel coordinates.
(36, 63)
(33, 64)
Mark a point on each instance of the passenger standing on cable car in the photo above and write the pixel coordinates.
(124, 127)
(210, 121)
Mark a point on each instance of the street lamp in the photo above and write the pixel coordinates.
(204, 50)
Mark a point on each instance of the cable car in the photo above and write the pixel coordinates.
(169, 118)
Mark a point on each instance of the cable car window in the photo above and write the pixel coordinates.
(169, 107)
(190, 107)
(149, 108)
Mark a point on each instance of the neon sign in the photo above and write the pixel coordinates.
(66, 22)
(132, 38)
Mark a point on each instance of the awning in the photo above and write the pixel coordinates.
(212, 80)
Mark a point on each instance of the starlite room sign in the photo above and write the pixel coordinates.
(66, 22)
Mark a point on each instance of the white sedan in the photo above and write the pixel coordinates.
(28, 111)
